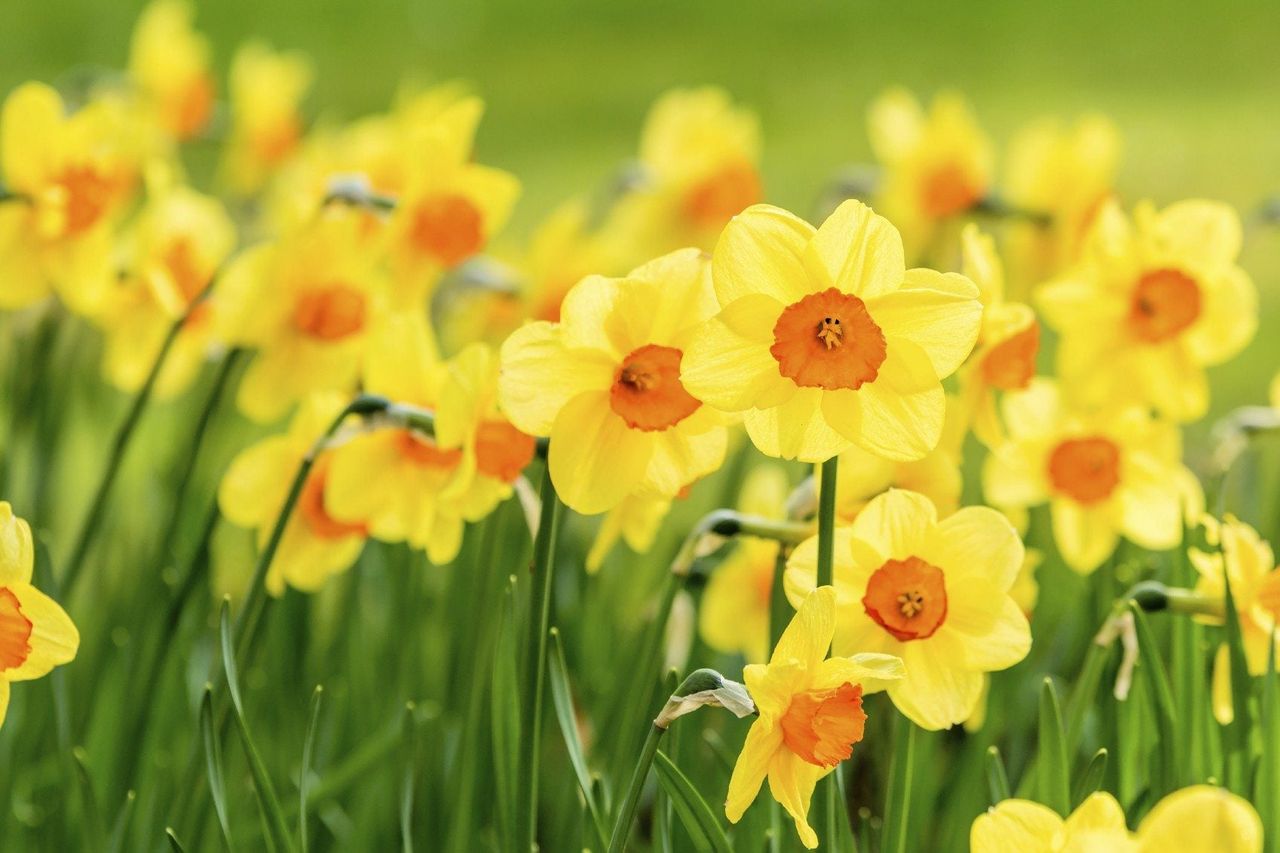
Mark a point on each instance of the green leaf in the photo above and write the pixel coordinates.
(505, 714)
(213, 765)
(409, 733)
(897, 809)
(116, 842)
(92, 817)
(1236, 742)
(562, 697)
(1267, 795)
(997, 779)
(1162, 698)
(698, 818)
(1091, 780)
(174, 843)
(304, 772)
(1054, 772)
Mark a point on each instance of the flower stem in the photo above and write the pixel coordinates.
(897, 812)
(627, 812)
(544, 547)
(827, 520)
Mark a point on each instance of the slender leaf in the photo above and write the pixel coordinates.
(1054, 772)
(997, 779)
(1267, 795)
(897, 810)
(213, 765)
(174, 843)
(115, 843)
(92, 815)
(697, 816)
(505, 714)
(562, 697)
(1237, 738)
(304, 772)
(409, 733)
(1091, 780)
(1162, 699)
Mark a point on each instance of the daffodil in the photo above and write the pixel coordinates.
(1151, 304)
(1250, 568)
(71, 177)
(636, 521)
(1005, 357)
(169, 62)
(429, 485)
(934, 592)
(305, 302)
(606, 384)
(1105, 474)
(937, 165)
(825, 340)
(266, 92)
(177, 244)
(810, 713)
(315, 545)
(734, 614)
(35, 632)
(1201, 819)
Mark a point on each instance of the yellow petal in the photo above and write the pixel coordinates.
(859, 252)
(895, 123)
(685, 295)
(1015, 826)
(1201, 819)
(30, 127)
(1152, 499)
(4, 699)
(791, 781)
(1205, 233)
(939, 312)
(595, 459)
(1099, 813)
(728, 364)
(940, 690)
(896, 524)
(1085, 535)
(1228, 318)
(764, 739)
(17, 553)
(991, 629)
(795, 429)
(1015, 476)
(873, 671)
(808, 636)
(897, 426)
(493, 191)
(761, 251)
(539, 376)
(54, 638)
(684, 453)
(979, 542)
(1223, 702)
(254, 487)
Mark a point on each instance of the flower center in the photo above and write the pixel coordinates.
(828, 340)
(502, 451)
(183, 265)
(1165, 302)
(908, 598)
(192, 107)
(422, 451)
(311, 507)
(715, 200)
(947, 190)
(15, 631)
(449, 228)
(83, 195)
(1085, 469)
(647, 392)
(330, 312)
(275, 141)
(1010, 364)
(821, 726)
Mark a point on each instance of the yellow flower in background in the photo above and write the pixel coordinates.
(177, 244)
(606, 384)
(266, 92)
(169, 62)
(1255, 586)
(1151, 304)
(35, 632)
(937, 165)
(934, 592)
(1066, 173)
(305, 302)
(810, 713)
(1005, 357)
(315, 545)
(1201, 819)
(825, 340)
(700, 167)
(565, 249)
(428, 486)
(636, 521)
(74, 175)
(1105, 474)
(1097, 826)
(734, 614)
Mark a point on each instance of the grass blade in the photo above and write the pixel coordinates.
(1267, 795)
(1236, 741)
(562, 698)
(409, 733)
(174, 843)
(1054, 772)
(1091, 780)
(697, 816)
(304, 772)
(1168, 776)
(505, 715)
(116, 842)
(897, 809)
(213, 765)
(997, 779)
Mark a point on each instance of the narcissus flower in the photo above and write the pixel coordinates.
(934, 592)
(606, 383)
(810, 713)
(1201, 819)
(1005, 357)
(35, 632)
(1104, 473)
(266, 90)
(1151, 304)
(176, 245)
(315, 545)
(169, 62)
(937, 164)
(635, 521)
(825, 340)
(306, 303)
(72, 176)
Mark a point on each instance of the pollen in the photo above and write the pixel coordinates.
(907, 598)
(330, 312)
(1086, 470)
(821, 726)
(647, 392)
(448, 228)
(828, 340)
(1165, 303)
(15, 632)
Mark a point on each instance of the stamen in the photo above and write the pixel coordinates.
(910, 603)
(830, 332)
(636, 377)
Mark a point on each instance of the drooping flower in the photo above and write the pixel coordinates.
(1151, 304)
(1105, 474)
(35, 632)
(934, 592)
(938, 165)
(825, 340)
(315, 545)
(266, 92)
(810, 713)
(169, 62)
(606, 384)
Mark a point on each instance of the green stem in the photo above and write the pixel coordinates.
(827, 520)
(897, 813)
(539, 615)
(627, 812)
(779, 609)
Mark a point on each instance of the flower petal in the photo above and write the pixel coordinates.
(993, 631)
(539, 375)
(940, 690)
(761, 251)
(1015, 826)
(17, 552)
(728, 364)
(896, 524)
(595, 459)
(1085, 535)
(858, 251)
(795, 429)
(53, 640)
(808, 636)
(897, 426)
(977, 542)
(939, 312)
(791, 781)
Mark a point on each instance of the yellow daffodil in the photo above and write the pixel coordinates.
(606, 384)
(305, 302)
(169, 62)
(636, 521)
(428, 486)
(1065, 173)
(825, 340)
(266, 89)
(1005, 357)
(1151, 304)
(71, 176)
(810, 713)
(316, 545)
(1251, 569)
(1105, 474)
(700, 166)
(734, 614)
(177, 244)
(934, 592)
(937, 165)
(35, 632)
(1201, 819)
